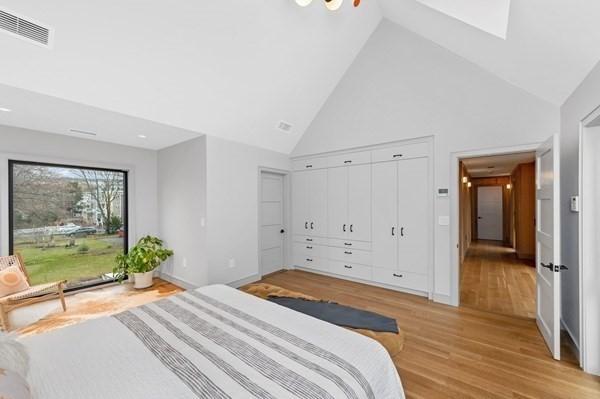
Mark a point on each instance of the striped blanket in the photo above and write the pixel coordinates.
(215, 342)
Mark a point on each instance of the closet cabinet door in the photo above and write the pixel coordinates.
(318, 202)
(300, 202)
(359, 202)
(413, 220)
(385, 215)
(337, 198)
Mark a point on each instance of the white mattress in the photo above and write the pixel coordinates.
(214, 342)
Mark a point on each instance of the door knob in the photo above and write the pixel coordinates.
(549, 266)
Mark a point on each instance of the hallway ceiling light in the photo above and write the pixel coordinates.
(465, 179)
(469, 184)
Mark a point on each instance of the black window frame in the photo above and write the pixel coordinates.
(13, 162)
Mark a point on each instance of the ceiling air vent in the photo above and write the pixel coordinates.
(285, 126)
(24, 28)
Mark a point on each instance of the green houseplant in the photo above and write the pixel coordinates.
(141, 261)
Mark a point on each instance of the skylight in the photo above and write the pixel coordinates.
(490, 16)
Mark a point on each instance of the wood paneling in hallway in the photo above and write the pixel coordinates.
(495, 280)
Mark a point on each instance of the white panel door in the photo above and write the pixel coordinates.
(300, 202)
(413, 220)
(318, 202)
(548, 254)
(359, 202)
(272, 236)
(337, 198)
(489, 213)
(385, 215)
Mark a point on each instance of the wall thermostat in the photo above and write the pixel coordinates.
(575, 203)
(442, 192)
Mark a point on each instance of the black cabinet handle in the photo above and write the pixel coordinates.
(398, 275)
(312, 225)
(348, 244)
(309, 260)
(402, 232)
(344, 228)
(309, 166)
(393, 228)
(348, 267)
(398, 155)
(305, 225)
(348, 252)
(309, 247)
(346, 162)
(351, 227)
(309, 239)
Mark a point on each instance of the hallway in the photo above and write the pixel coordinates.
(495, 280)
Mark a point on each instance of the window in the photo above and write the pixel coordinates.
(67, 222)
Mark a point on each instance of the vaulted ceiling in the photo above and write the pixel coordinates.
(236, 69)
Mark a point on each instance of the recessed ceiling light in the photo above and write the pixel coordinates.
(142, 136)
(5, 109)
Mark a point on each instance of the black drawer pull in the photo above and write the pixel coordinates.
(312, 225)
(309, 166)
(348, 252)
(398, 155)
(398, 275)
(309, 247)
(348, 161)
(344, 228)
(305, 225)
(348, 244)
(309, 260)
(351, 228)
(309, 239)
(348, 267)
(393, 228)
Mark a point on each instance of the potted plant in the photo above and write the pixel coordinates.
(141, 261)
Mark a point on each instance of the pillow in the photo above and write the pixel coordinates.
(13, 386)
(12, 280)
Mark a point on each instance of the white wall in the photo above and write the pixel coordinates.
(232, 207)
(402, 86)
(581, 103)
(22, 144)
(182, 209)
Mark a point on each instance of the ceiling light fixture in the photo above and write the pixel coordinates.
(332, 5)
(5, 109)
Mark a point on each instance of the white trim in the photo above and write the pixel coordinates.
(585, 283)
(4, 189)
(246, 280)
(285, 174)
(571, 342)
(455, 158)
(177, 281)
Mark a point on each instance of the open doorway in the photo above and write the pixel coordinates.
(497, 234)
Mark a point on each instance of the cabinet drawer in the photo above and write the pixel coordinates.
(417, 282)
(309, 164)
(320, 264)
(349, 244)
(309, 250)
(404, 152)
(354, 158)
(350, 255)
(311, 240)
(350, 269)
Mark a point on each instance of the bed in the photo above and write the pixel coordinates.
(214, 342)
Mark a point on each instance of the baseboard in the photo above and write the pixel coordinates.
(443, 299)
(246, 280)
(572, 342)
(177, 281)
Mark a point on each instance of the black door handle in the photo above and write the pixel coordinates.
(344, 228)
(563, 267)
(549, 266)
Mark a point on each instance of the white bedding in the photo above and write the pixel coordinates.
(214, 342)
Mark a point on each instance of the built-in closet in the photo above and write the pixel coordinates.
(366, 215)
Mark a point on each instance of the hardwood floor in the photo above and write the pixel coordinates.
(457, 352)
(495, 280)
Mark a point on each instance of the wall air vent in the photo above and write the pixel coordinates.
(285, 127)
(25, 28)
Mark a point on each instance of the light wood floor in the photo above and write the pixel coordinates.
(458, 352)
(494, 279)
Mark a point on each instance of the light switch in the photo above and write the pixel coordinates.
(444, 220)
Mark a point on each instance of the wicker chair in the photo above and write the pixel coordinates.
(31, 295)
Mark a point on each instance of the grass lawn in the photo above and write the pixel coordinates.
(60, 262)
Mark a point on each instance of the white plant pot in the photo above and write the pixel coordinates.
(143, 280)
